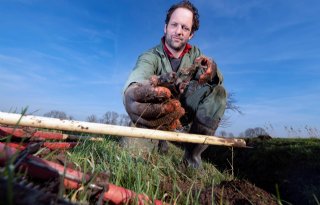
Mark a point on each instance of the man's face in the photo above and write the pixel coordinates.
(178, 30)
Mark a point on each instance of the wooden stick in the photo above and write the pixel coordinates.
(114, 130)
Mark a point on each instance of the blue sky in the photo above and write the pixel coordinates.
(75, 56)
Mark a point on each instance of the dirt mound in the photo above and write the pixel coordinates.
(288, 167)
(236, 192)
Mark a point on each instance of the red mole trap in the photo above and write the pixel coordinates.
(30, 135)
(38, 169)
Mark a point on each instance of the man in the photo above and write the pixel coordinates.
(198, 105)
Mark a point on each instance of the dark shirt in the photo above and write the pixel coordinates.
(175, 63)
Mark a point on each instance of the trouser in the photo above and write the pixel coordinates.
(204, 106)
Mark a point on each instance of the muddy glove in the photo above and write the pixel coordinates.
(209, 68)
(151, 106)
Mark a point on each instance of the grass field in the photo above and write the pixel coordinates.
(288, 169)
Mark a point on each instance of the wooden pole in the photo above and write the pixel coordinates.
(115, 130)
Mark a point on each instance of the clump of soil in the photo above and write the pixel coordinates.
(236, 192)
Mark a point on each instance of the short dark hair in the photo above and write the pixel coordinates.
(187, 5)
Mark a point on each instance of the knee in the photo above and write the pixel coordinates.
(218, 96)
(214, 104)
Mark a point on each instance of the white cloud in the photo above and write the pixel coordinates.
(9, 59)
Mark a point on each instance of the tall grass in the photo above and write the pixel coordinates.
(158, 176)
(289, 131)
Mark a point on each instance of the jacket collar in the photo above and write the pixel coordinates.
(163, 50)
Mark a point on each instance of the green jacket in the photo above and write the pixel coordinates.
(156, 62)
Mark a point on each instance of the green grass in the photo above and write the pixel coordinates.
(143, 171)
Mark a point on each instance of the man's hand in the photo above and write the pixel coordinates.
(209, 67)
(151, 106)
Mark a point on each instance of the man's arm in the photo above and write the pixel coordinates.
(145, 67)
(148, 104)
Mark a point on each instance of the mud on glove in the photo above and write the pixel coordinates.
(209, 69)
(152, 106)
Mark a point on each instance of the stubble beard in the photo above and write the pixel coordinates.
(173, 45)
